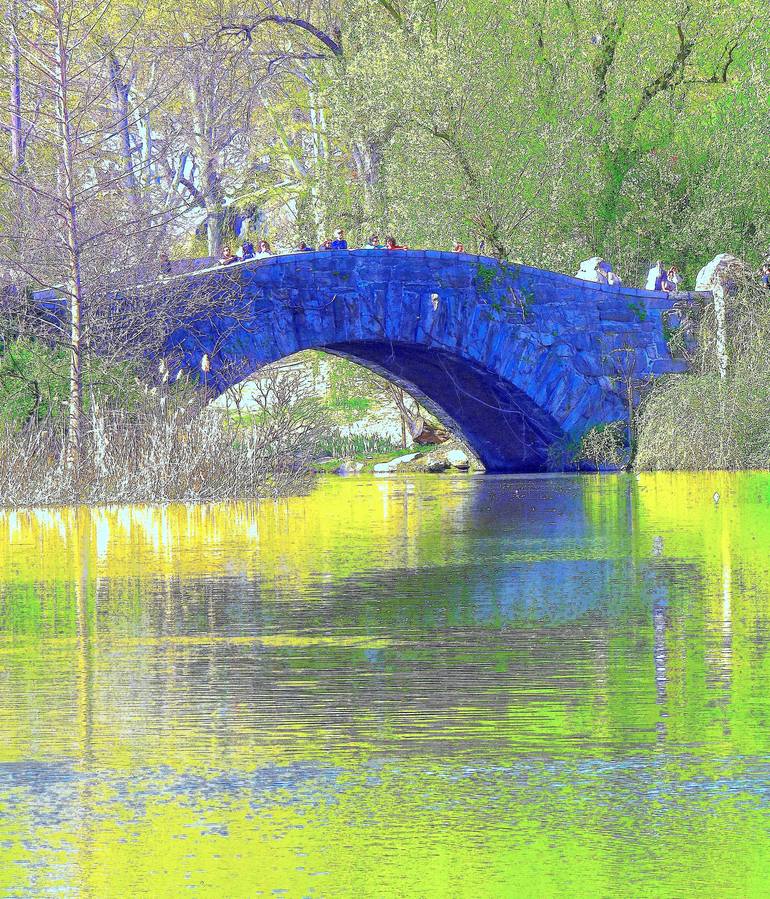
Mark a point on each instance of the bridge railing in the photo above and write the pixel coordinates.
(186, 269)
(192, 268)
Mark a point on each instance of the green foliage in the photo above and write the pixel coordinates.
(356, 446)
(486, 277)
(600, 447)
(604, 446)
(350, 404)
(524, 299)
(639, 311)
(551, 135)
(562, 453)
(34, 382)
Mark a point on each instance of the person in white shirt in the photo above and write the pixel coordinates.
(599, 271)
(655, 277)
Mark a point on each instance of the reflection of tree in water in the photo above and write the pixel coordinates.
(86, 599)
(442, 611)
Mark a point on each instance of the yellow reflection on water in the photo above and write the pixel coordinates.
(345, 524)
(330, 530)
(420, 750)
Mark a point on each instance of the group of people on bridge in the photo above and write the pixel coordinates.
(339, 242)
(660, 277)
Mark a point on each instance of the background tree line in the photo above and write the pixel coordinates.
(546, 129)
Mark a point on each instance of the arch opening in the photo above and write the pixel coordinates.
(506, 430)
(502, 426)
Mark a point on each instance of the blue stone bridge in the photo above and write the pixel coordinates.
(509, 357)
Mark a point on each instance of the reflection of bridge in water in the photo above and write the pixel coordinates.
(512, 357)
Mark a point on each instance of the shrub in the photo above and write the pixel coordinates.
(600, 447)
(700, 421)
(347, 446)
(604, 446)
(157, 455)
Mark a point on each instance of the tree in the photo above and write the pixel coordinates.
(545, 131)
(75, 222)
(48, 38)
(308, 44)
(203, 130)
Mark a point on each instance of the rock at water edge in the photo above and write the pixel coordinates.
(394, 463)
(458, 459)
(349, 468)
(402, 460)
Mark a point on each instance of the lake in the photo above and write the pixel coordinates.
(446, 686)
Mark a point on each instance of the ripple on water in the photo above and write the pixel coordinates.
(490, 686)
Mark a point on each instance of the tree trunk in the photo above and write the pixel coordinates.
(399, 396)
(121, 91)
(367, 156)
(69, 215)
(16, 122)
(215, 209)
(320, 150)
(75, 431)
(215, 218)
(145, 127)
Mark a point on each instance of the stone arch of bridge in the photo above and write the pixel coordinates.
(501, 424)
(511, 357)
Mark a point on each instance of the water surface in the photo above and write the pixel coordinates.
(435, 686)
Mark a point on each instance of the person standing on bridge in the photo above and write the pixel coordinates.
(339, 242)
(228, 257)
(304, 248)
(605, 274)
(653, 276)
(597, 270)
(390, 244)
(373, 243)
(264, 250)
(673, 280)
(458, 248)
(657, 277)
(247, 250)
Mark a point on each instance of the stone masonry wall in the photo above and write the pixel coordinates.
(511, 356)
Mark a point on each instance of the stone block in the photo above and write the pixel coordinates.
(669, 366)
(587, 364)
(615, 313)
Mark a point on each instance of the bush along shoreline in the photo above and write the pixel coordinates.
(154, 456)
(714, 417)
